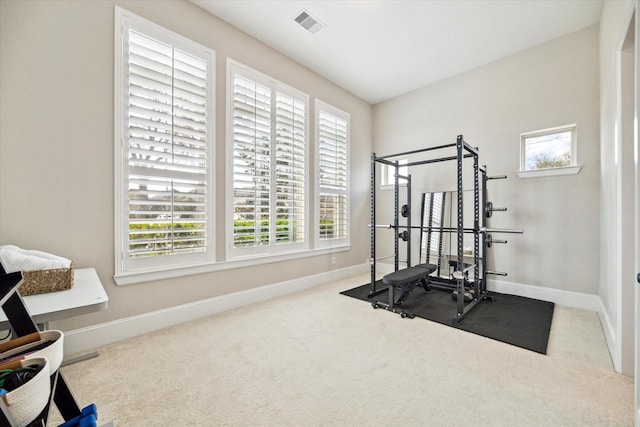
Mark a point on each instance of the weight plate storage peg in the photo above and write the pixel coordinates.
(404, 211)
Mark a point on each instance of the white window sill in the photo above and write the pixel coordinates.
(131, 278)
(539, 173)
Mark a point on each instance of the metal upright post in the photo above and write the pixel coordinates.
(430, 225)
(395, 216)
(460, 278)
(441, 234)
(476, 226)
(484, 235)
(373, 224)
(408, 264)
(422, 227)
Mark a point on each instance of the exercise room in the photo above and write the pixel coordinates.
(319, 213)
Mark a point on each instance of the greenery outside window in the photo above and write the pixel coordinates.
(549, 152)
(164, 149)
(268, 164)
(332, 126)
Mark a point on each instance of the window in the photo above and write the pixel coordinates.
(388, 178)
(333, 175)
(551, 151)
(433, 204)
(164, 148)
(268, 164)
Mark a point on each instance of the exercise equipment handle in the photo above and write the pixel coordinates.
(459, 274)
(496, 273)
(501, 230)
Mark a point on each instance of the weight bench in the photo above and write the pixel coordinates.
(401, 283)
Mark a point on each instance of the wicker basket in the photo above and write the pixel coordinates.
(27, 401)
(43, 281)
(21, 348)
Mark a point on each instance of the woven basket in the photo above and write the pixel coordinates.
(54, 352)
(27, 401)
(43, 281)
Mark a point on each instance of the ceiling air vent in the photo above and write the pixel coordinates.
(309, 22)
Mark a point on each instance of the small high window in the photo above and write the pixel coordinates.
(389, 174)
(550, 150)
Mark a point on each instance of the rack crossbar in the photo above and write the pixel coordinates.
(422, 150)
(386, 162)
(441, 159)
(471, 149)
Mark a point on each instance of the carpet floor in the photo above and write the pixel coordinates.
(316, 358)
(515, 320)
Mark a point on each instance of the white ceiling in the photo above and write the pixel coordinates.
(378, 49)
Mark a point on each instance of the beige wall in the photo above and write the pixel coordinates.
(553, 84)
(57, 143)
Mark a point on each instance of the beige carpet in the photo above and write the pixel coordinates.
(317, 358)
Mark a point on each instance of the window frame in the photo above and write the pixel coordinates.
(273, 249)
(336, 242)
(157, 267)
(387, 172)
(571, 169)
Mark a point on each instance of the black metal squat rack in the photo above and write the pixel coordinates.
(481, 236)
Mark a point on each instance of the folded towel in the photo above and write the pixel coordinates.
(15, 259)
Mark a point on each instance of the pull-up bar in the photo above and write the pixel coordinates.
(472, 150)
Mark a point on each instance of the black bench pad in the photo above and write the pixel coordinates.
(429, 267)
(406, 275)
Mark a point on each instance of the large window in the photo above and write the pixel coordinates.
(164, 148)
(268, 163)
(333, 175)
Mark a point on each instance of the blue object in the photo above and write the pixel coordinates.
(90, 413)
(88, 421)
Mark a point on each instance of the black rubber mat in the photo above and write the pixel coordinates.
(520, 321)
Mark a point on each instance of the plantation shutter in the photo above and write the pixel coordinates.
(289, 163)
(436, 224)
(333, 168)
(251, 162)
(167, 148)
(269, 137)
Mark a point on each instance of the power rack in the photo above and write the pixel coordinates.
(481, 237)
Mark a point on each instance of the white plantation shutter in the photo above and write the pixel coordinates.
(333, 144)
(269, 146)
(433, 209)
(166, 141)
(251, 162)
(290, 168)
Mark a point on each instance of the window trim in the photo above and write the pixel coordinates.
(573, 167)
(346, 241)
(180, 264)
(272, 250)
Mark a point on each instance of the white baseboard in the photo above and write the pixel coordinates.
(91, 337)
(611, 337)
(558, 296)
